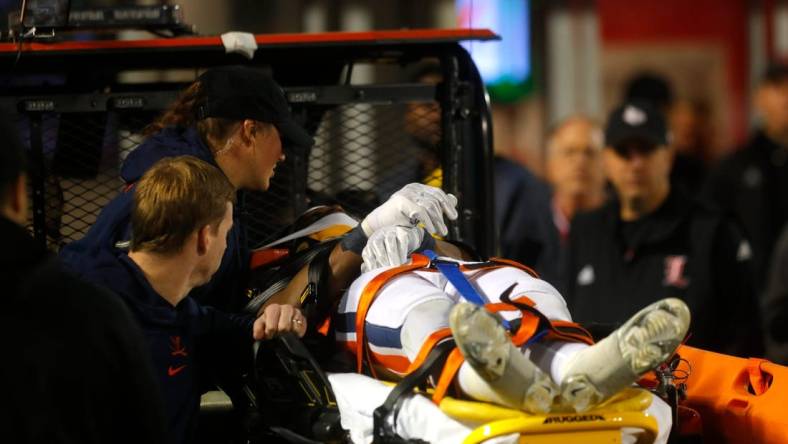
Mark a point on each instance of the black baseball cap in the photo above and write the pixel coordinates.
(239, 92)
(636, 121)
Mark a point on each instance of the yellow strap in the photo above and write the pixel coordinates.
(330, 232)
(435, 178)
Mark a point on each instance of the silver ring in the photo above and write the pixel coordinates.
(297, 321)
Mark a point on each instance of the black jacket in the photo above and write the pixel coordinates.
(524, 219)
(683, 250)
(752, 184)
(74, 366)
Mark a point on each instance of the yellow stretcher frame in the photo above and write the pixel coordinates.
(600, 425)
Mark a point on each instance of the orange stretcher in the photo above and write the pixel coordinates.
(739, 400)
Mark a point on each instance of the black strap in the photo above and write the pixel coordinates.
(427, 242)
(544, 323)
(383, 431)
(315, 301)
(282, 275)
(293, 349)
(494, 262)
(285, 363)
(355, 240)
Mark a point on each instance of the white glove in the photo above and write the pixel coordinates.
(390, 245)
(413, 204)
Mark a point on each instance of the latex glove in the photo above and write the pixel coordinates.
(415, 203)
(390, 245)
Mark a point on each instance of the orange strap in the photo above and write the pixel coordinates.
(529, 325)
(369, 294)
(759, 380)
(427, 347)
(325, 326)
(267, 256)
(450, 368)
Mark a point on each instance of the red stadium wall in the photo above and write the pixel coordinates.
(721, 23)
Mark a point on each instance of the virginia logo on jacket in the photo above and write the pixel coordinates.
(176, 349)
(674, 271)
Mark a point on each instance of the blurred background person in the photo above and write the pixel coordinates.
(74, 360)
(653, 241)
(752, 183)
(522, 209)
(577, 180)
(652, 88)
(687, 122)
(422, 123)
(518, 192)
(690, 133)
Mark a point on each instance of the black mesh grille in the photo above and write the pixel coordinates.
(82, 157)
(363, 153)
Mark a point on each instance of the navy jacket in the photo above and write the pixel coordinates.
(524, 219)
(113, 224)
(175, 336)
